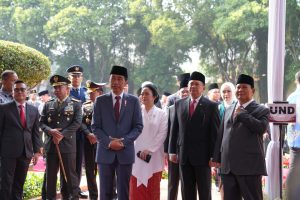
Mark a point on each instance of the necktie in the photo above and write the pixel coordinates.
(192, 107)
(236, 112)
(117, 107)
(77, 92)
(59, 103)
(22, 116)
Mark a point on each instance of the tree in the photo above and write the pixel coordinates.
(292, 41)
(87, 29)
(31, 65)
(227, 35)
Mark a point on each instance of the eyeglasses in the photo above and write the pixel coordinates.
(19, 89)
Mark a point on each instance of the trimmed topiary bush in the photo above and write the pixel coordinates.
(31, 65)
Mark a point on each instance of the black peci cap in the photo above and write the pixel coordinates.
(184, 83)
(198, 77)
(213, 86)
(183, 76)
(119, 70)
(166, 93)
(246, 79)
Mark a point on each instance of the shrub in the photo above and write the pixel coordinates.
(33, 185)
(30, 65)
(164, 175)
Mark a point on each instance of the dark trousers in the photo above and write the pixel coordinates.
(107, 174)
(78, 163)
(249, 187)
(44, 197)
(52, 166)
(90, 168)
(13, 176)
(193, 177)
(79, 155)
(173, 180)
(293, 180)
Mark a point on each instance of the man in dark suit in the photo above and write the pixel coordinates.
(239, 147)
(173, 168)
(78, 92)
(19, 142)
(117, 122)
(192, 141)
(60, 119)
(173, 97)
(90, 141)
(8, 78)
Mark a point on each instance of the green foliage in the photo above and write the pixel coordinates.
(292, 61)
(238, 19)
(151, 38)
(30, 65)
(157, 69)
(164, 175)
(33, 185)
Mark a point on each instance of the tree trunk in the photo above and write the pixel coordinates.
(92, 68)
(261, 36)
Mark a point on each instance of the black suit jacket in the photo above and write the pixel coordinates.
(194, 138)
(67, 117)
(171, 112)
(14, 139)
(239, 147)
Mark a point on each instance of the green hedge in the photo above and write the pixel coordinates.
(30, 65)
(33, 185)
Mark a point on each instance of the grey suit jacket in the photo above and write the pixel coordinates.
(14, 139)
(239, 147)
(104, 126)
(67, 117)
(172, 98)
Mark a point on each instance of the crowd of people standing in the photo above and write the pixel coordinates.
(126, 139)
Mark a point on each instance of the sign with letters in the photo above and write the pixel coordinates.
(282, 113)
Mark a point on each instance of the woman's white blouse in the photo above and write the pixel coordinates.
(152, 138)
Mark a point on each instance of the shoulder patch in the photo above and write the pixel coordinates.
(76, 100)
(50, 100)
(87, 102)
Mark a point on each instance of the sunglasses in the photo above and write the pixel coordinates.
(19, 89)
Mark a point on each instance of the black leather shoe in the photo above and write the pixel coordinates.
(82, 195)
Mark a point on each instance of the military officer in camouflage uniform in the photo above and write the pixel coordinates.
(90, 141)
(60, 119)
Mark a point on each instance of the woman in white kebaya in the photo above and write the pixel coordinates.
(149, 163)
